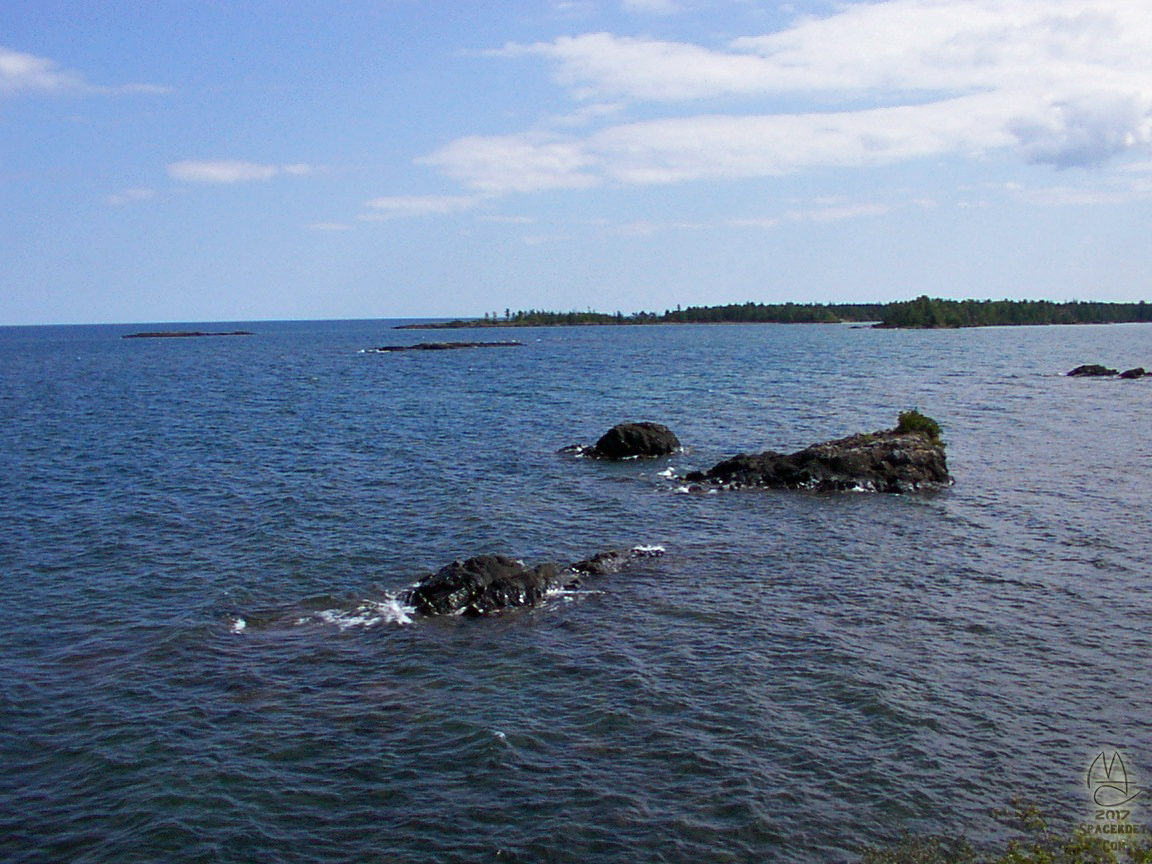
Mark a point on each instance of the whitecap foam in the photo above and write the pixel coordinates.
(695, 489)
(648, 551)
(239, 625)
(367, 614)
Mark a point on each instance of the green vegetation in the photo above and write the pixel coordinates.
(914, 421)
(928, 312)
(1037, 844)
(743, 313)
(774, 313)
(922, 313)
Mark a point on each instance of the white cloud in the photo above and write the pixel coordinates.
(1126, 185)
(542, 239)
(126, 196)
(604, 66)
(1086, 129)
(397, 206)
(1063, 196)
(516, 163)
(21, 72)
(511, 220)
(1137, 168)
(231, 171)
(1064, 82)
(944, 46)
(765, 223)
(839, 212)
(720, 146)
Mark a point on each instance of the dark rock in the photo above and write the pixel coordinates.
(480, 585)
(179, 334)
(888, 461)
(632, 441)
(443, 346)
(490, 583)
(1091, 370)
(1138, 372)
(614, 560)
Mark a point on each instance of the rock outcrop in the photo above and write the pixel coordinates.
(643, 440)
(490, 583)
(1091, 370)
(1094, 370)
(896, 460)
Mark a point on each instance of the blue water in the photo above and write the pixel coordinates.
(200, 540)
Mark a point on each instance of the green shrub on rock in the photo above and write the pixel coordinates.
(914, 421)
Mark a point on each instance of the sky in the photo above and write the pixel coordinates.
(209, 160)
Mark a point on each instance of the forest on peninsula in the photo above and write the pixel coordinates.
(922, 313)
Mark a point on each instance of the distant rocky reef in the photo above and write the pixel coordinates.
(442, 346)
(907, 458)
(181, 334)
(1094, 370)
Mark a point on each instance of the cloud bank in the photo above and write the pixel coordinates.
(1065, 83)
(419, 205)
(231, 171)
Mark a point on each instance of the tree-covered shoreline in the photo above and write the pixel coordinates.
(922, 313)
(929, 313)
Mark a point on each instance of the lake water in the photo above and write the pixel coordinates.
(201, 539)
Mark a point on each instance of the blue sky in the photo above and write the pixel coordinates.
(203, 161)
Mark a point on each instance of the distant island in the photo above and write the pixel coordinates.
(922, 313)
(180, 334)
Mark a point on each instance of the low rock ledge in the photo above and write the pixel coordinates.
(1095, 370)
(491, 583)
(1091, 370)
(907, 458)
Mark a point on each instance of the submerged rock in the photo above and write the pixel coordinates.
(490, 583)
(643, 440)
(896, 460)
(1091, 370)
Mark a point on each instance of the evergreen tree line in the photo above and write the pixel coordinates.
(927, 312)
(923, 312)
